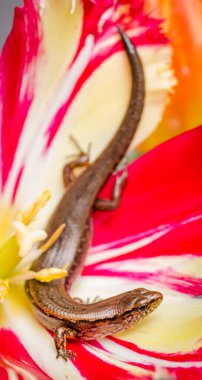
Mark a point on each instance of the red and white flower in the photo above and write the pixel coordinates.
(63, 69)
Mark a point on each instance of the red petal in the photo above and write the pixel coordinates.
(163, 193)
(3, 374)
(92, 367)
(14, 352)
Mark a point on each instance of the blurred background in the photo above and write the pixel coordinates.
(6, 17)
(183, 27)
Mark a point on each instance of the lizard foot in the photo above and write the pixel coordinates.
(88, 300)
(66, 354)
(60, 338)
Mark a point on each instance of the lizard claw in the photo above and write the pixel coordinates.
(66, 354)
(79, 300)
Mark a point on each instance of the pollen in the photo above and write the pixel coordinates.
(28, 215)
(4, 288)
(26, 239)
(49, 274)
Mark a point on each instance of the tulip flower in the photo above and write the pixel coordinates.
(63, 72)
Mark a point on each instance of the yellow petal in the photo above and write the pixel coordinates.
(94, 102)
(62, 31)
(9, 256)
(179, 314)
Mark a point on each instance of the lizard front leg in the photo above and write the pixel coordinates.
(62, 333)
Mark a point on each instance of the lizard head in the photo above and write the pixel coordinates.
(139, 302)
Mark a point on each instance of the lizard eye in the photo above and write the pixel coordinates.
(143, 308)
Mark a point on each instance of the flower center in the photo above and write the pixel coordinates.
(24, 241)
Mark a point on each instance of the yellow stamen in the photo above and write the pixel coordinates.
(28, 215)
(44, 275)
(4, 288)
(49, 274)
(52, 239)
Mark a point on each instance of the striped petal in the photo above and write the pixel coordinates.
(67, 49)
(158, 247)
(23, 339)
(57, 87)
(138, 260)
(171, 174)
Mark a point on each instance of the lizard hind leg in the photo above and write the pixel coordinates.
(114, 202)
(62, 333)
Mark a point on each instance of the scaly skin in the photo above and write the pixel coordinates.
(51, 302)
